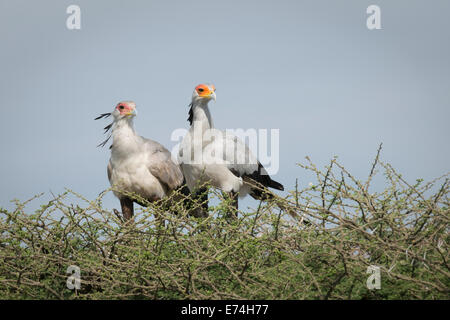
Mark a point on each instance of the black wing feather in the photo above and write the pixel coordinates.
(261, 177)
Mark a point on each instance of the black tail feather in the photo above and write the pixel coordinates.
(276, 185)
(262, 178)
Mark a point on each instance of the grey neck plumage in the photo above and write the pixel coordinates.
(125, 139)
(199, 114)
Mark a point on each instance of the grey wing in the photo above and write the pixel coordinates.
(243, 163)
(109, 170)
(236, 155)
(161, 166)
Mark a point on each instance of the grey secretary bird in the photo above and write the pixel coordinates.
(224, 161)
(137, 165)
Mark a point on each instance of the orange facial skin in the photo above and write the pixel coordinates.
(125, 108)
(204, 90)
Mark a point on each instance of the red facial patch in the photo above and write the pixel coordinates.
(203, 90)
(124, 107)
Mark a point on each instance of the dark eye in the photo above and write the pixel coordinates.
(201, 90)
(121, 107)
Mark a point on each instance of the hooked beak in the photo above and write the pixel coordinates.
(213, 96)
(132, 113)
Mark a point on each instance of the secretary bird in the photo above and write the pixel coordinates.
(208, 155)
(137, 165)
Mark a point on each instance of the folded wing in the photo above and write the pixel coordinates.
(239, 159)
(161, 166)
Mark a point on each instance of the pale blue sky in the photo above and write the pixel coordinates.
(309, 68)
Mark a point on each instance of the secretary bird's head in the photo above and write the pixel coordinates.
(123, 110)
(204, 92)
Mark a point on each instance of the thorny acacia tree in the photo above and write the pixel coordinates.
(342, 227)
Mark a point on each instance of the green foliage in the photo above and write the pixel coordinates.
(315, 243)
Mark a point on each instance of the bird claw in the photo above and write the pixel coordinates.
(118, 215)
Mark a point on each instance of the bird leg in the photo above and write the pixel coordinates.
(197, 203)
(202, 197)
(127, 208)
(234, 203)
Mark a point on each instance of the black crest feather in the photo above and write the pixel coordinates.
(191, 114)
(107, 128)
(104, 142)
(103, 115)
